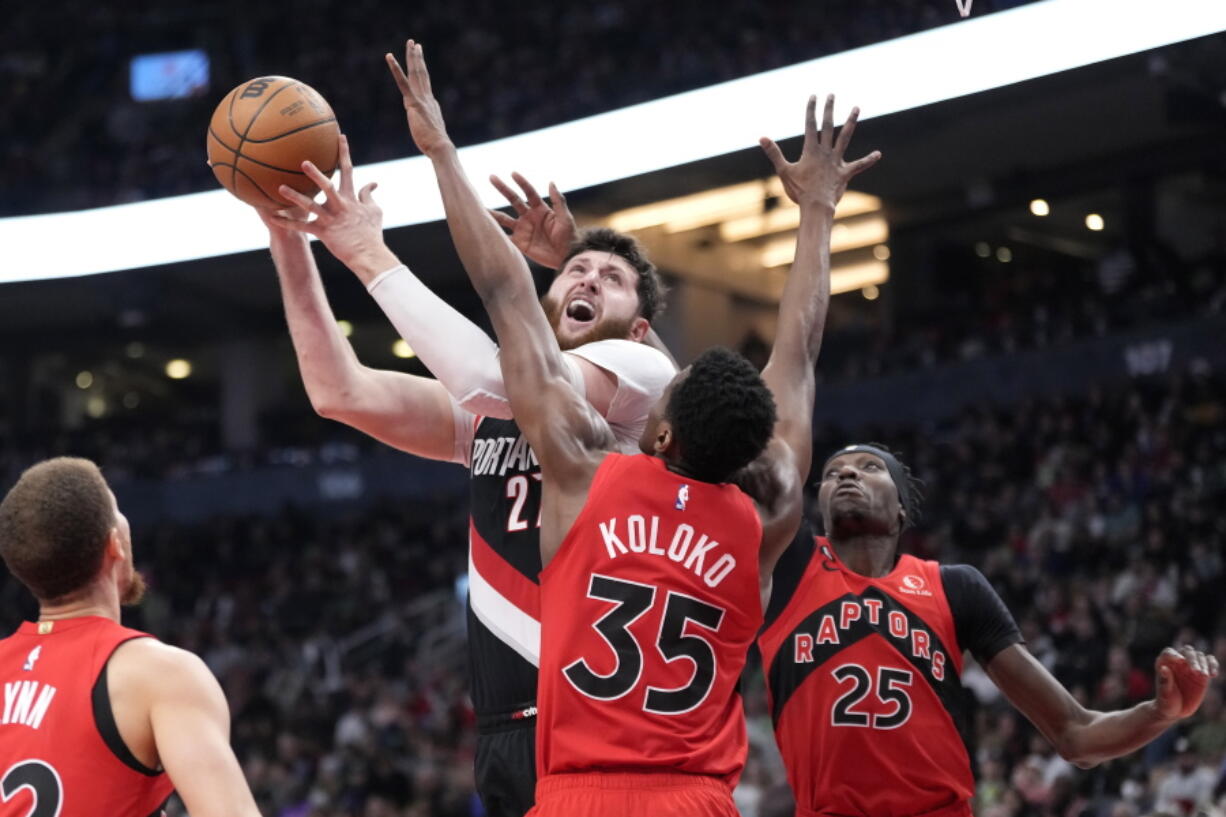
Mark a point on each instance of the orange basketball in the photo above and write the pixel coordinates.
(263, 131)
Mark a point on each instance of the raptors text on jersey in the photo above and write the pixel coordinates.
(863, 683)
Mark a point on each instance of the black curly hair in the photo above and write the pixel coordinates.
(722, 415)
(650, 288)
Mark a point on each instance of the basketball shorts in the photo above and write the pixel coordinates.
(506, 766)
(632, 794)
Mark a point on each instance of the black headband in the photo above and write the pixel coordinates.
(893, 466)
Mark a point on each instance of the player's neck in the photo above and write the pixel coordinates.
(868, 555)
(101, 601)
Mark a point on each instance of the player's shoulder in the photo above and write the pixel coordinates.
(626, 357)
(961, 574)
(154, 665)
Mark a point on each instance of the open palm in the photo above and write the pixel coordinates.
(542, 231)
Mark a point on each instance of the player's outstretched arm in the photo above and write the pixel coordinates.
(190, 724)
(410, 413)
(561, 426)
(350, 225)
(1086, 737)
(816, 182)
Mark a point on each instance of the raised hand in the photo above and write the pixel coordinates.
(349, 224)
(1183, 677)
(820, 176)
(422, 109)
(542, 232)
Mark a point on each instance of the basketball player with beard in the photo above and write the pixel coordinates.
(601, 304)
(656, 565)
(98, 718)
(862, 654)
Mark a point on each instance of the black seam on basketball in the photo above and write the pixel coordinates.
(243, 136)
(230, 113)
(256, 184)
(230, 119)
(292, 131)
(213, 133)
(266, 164)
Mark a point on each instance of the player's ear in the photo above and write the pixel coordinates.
(664, 438)
(639, 329)
(902, 518)
(114, 545)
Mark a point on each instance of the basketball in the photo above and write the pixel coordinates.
(263, 131)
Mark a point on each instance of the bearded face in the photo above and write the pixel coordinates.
(594, 297)
(611, 327)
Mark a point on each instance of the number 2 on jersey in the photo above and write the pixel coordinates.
(633, 600)
(41, 779)
(517, 489)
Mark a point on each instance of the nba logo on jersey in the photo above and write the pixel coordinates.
(32, 657)
(683, 496)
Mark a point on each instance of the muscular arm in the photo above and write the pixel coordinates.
(816, 182)
(559, 424)
(407, 412)
(1086, 737)
(565, 432)
(186, 715)
(1081, 736)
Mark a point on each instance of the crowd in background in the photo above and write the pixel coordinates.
(499, 69)
(984, 309)
(338, 636)
(339, 640)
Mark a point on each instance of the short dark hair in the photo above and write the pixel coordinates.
(722, 414)
(54, 526)
(650, 288)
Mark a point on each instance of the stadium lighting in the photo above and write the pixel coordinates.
(346, 327)
(84, 380)
(402, 349)
(1095, 222)
(1040, 207)
(871, 292)
(939, 64)
(1004, 255)
(178, 369)
(983, 250)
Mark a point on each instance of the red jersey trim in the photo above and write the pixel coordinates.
(499, 574)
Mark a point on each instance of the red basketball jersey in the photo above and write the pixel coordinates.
(647, 612)
(60, 752)
(863, 686)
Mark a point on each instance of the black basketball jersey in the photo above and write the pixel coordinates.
(504, 561)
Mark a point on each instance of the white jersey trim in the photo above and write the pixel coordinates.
(512, 626)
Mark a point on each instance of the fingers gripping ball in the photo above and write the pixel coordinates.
(263, 131)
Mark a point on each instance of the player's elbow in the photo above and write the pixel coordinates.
(1080, 759)
(327, 406)
(1071, 745)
